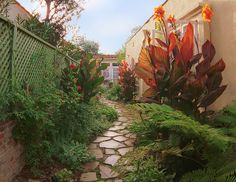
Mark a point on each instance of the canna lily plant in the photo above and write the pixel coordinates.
(127, 81)
(84, 78)
(172, 71)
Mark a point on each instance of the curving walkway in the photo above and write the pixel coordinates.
(109, 147)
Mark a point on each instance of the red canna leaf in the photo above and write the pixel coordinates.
(187, 44)
(212, 96)
(208, 50)
(175, 88)
(218, 67)
(176, 72)
(159, 57)
(202, 68)
(195, 88)
(147, 76)
(173, 41)
(214, 81)
(195, 59)
(150, 93)
(161, 43)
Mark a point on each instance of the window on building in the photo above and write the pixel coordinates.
(115, 64)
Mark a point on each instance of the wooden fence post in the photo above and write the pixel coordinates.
(12, 62)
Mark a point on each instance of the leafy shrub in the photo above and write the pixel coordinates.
(147, 171)
(225, 173)
(74, 154)
(64, 175)
(224, 119)
(179, 143)
(84, 78)
(52, 33)
(114, 93)
(109, 113)
(127, 81)
(33, 115)
(47, 118)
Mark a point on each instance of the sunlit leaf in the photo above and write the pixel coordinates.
(150, 93)
(173, 41)
(159, 57)
(187, 44)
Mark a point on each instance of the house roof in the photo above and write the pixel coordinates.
(144, 24)
(105, 56)
(23, 8)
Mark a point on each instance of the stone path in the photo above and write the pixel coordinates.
(109, 148)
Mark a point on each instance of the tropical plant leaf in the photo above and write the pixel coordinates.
(147, 76)
(187, 44)
(218, 67)
(161, 43)
(159, 57)
(195, 59)
(208, 50)
(212, 96)
(173, 41)
(176, 72)
(195, 88)
(202, 68)
(174, 88)
(150, 93)
(214, 81)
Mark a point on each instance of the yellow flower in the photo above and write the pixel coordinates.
(207, 13)
(159, 13)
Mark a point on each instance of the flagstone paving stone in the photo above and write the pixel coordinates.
(111, 144)
(116, 128)
(120, 138)
(88, 177)
(111, 134)
(122, 119)
(109, 148)
(96, 152)
(106, 172)
(123, 151)
(101, 139)
(109, 151)
(112, 160)
(91, 166)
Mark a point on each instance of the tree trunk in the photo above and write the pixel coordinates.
(48, 3)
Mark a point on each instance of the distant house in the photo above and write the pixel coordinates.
(221, 31)
(111, 74)
(15, 12)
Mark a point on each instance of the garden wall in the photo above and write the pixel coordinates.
(11, 159)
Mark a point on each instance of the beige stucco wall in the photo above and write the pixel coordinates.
(222, 32)
(223, 36)
(15, 10)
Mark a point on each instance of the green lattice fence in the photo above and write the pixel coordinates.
(23, 56)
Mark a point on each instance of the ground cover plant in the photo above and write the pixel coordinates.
(179, 146)
(113, 93)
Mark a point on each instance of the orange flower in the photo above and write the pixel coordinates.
(159, 13)
(171, 19)
(207, 13)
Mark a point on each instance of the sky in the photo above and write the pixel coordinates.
(108, 22)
